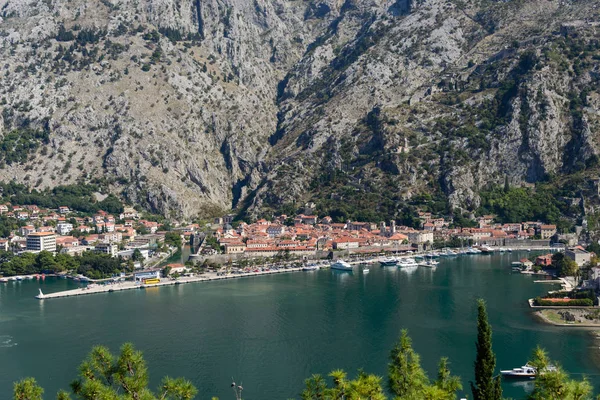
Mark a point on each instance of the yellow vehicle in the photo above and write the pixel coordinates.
(151, 281)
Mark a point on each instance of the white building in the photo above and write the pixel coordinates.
(419, 237)
(107, 248)
(40, 241)
(64, 228)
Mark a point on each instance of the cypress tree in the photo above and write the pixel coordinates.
(486, 386)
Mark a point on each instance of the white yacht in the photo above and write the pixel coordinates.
(341, 265)
(407, 263)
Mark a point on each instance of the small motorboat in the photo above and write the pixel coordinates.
(365, 271)
(525, 372)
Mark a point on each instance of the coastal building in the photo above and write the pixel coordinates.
(235, 248)
(579, 255)
(147, 274)
(41, 241)
(528, 264)
(544, 261)
(176, 268)
(419, 237)
(345, 243)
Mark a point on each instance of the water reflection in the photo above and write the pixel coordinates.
(525, 385)
(409, 270)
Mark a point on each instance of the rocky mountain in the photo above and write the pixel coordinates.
(191, 108)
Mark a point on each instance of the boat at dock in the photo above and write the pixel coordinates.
(486, 250)
(407, 263)
(429, 264)
(388, 262)
(310, 268)
(341, 266)
(3, 280)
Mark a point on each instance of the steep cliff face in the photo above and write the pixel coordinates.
(170, 102)
(466, 94)
(194, 107)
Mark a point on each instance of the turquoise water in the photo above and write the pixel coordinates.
(272, 332)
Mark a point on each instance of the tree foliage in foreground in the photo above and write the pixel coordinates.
(406, 380)
(554, 383)
(107, 377)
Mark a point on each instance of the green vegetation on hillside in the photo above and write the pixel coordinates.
(546, 202)
(91, 264)
(8, 225)
(76, 197)
(18, 144)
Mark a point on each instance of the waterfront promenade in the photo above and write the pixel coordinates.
(128, 285)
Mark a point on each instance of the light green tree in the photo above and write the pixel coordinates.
(406, 378)
(365, 386)
(553, 383)
(103, 376)
(27, 389)
(408, 381)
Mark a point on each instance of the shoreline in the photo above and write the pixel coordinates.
(211, 276)
(540, 315)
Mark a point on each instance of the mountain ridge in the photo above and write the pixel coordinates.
(193, 108)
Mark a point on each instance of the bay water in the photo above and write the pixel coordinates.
(272, 332)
